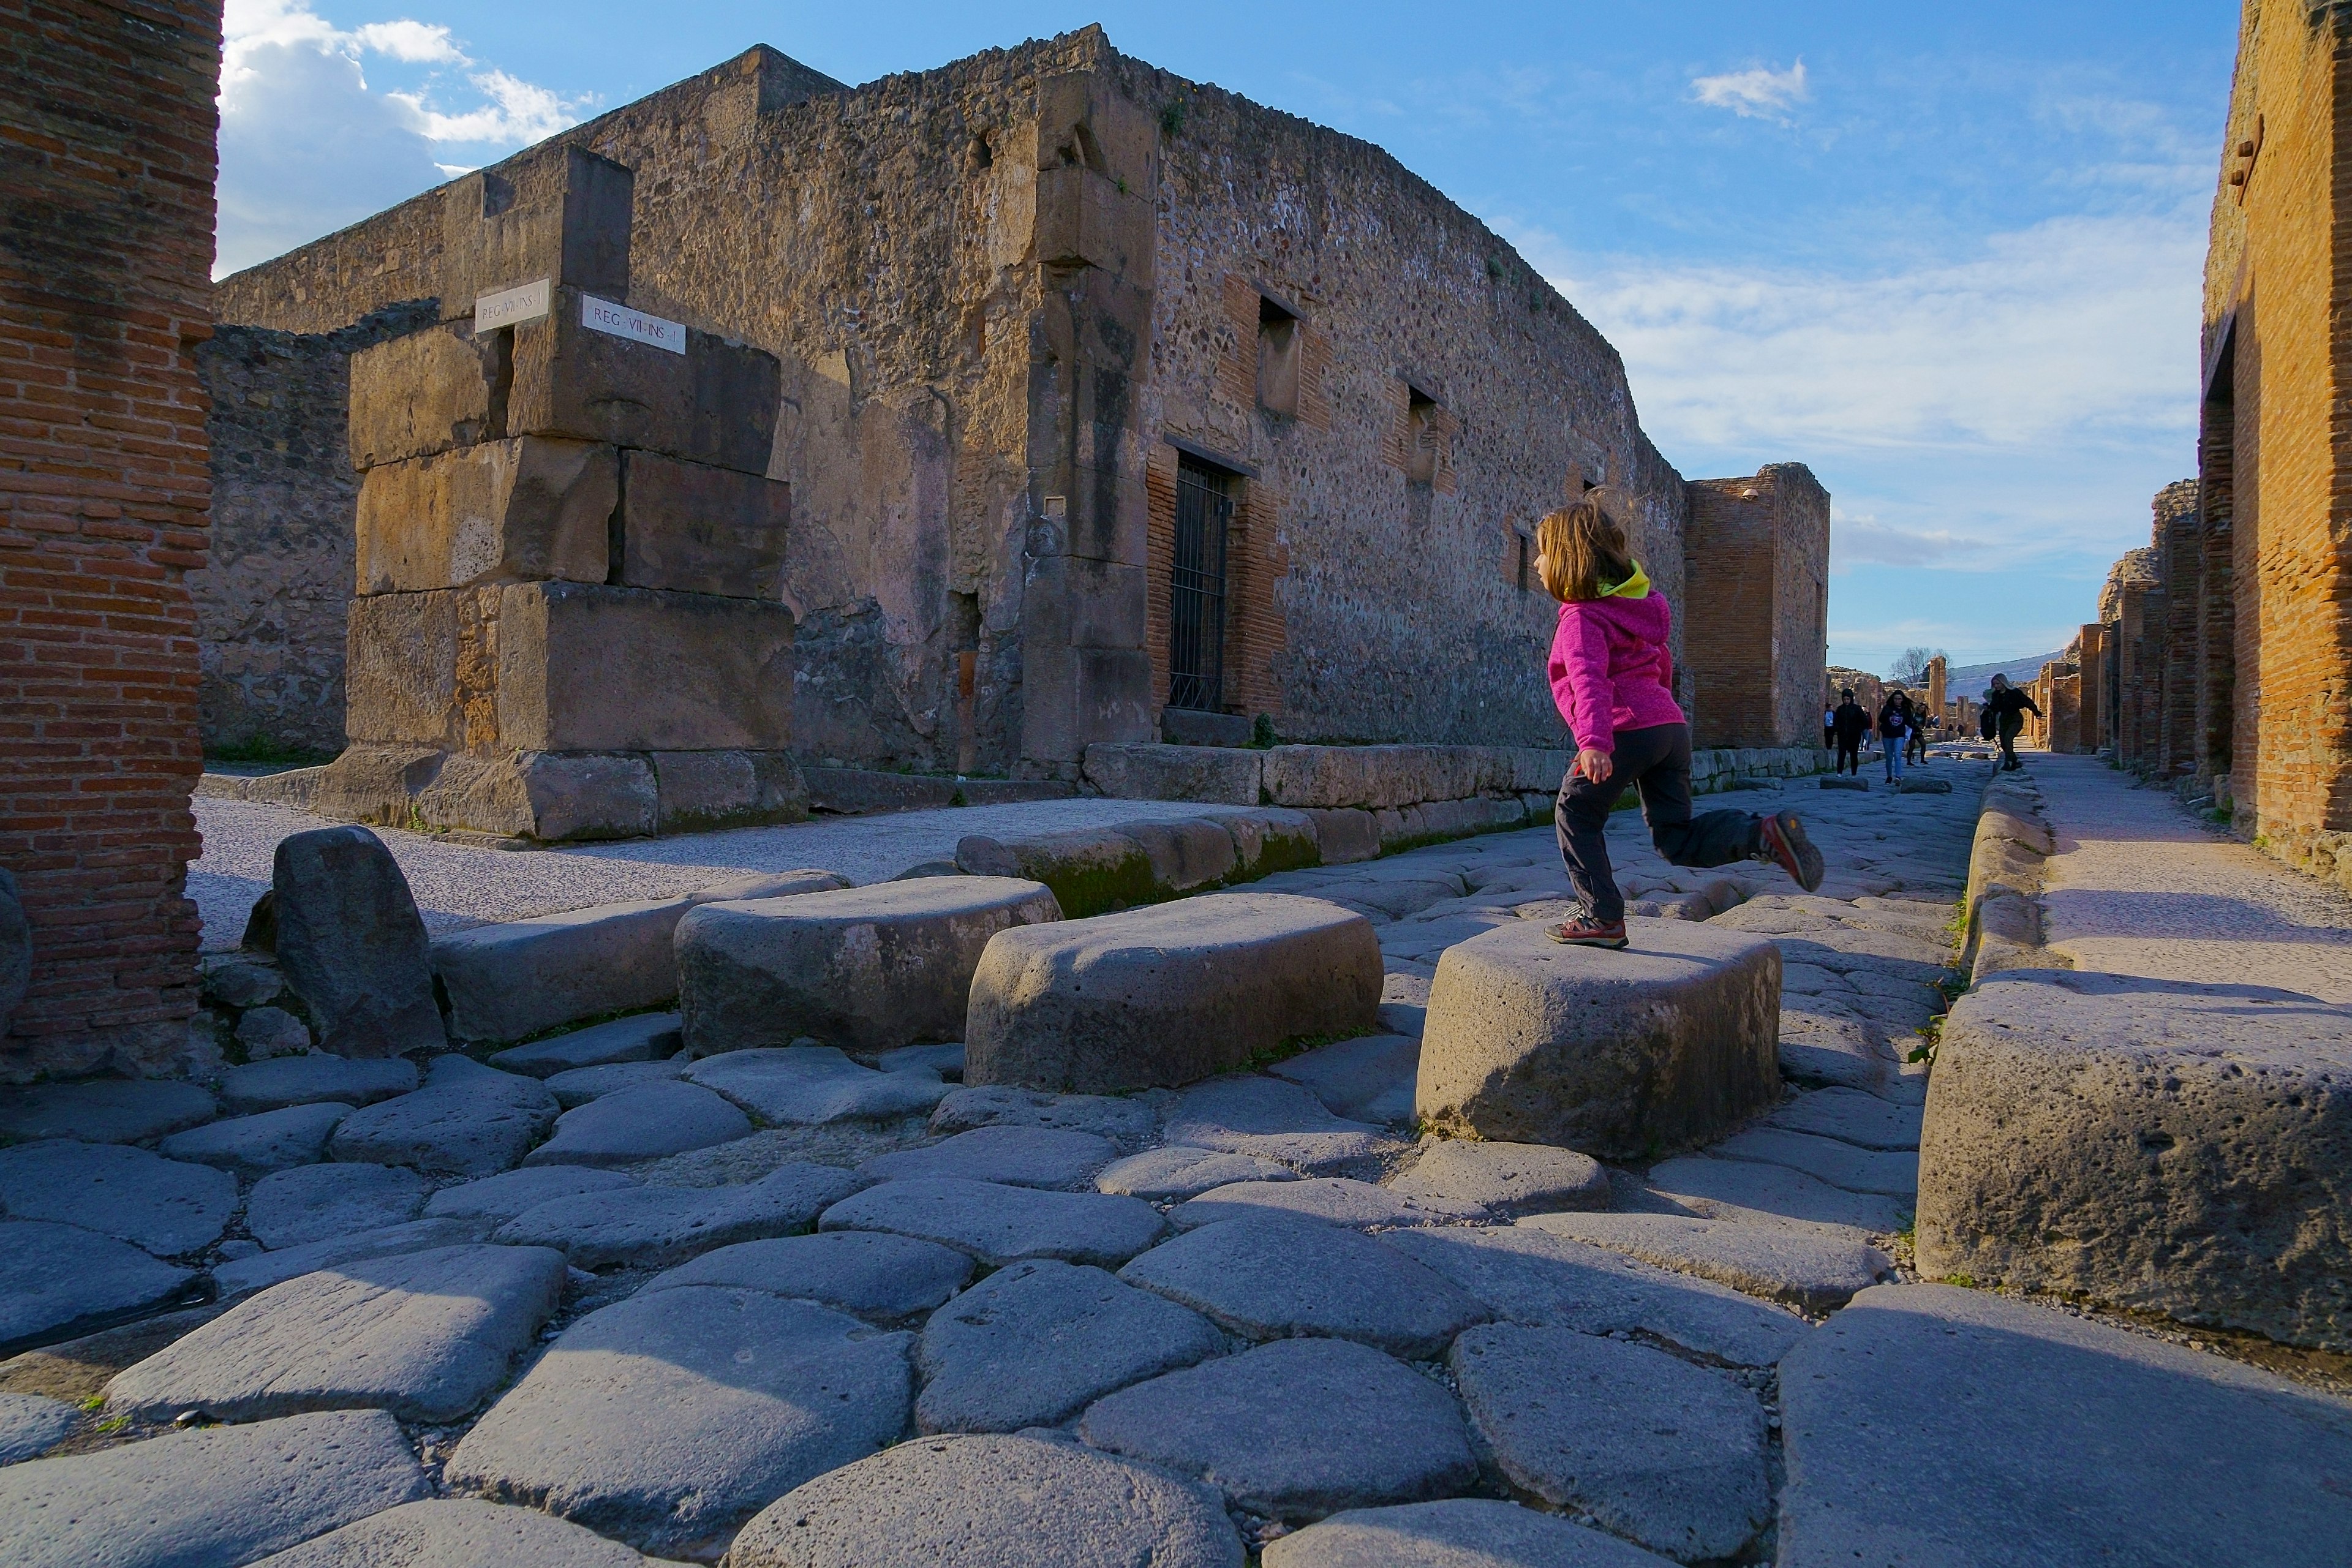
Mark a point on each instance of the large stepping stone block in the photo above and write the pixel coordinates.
(227, 1495)
(866, 969)
(1169, 995)
(1458, 1532)
(426, 1336)
(2177, 1148)
(988, 1500)
(1947, 1409)
(351, 943)
(1620, 1055)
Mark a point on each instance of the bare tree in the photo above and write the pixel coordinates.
(1911, 666)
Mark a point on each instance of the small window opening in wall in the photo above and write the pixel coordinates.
(1425, 436)
(1277, 359)
(1196, 609)
(977, 155)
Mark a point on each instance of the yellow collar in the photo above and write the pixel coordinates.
(1637, 587)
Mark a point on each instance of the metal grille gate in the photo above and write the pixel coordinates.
(1196, 619)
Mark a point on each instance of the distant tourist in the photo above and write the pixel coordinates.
(1894, 724)
(1612, 678)
(1848, 724)
(1917, 750)
(1828, 725)
(2006, 707)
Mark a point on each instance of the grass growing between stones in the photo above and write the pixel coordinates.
(1298, 1045)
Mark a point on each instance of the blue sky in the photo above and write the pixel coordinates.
(1948, 256)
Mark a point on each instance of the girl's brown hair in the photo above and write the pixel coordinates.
(1580, 553)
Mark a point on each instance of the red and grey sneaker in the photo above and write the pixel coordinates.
(1786, 845)
(1586, 931)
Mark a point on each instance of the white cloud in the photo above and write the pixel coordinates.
(518, 113)
(1865, 539)
(1761, 93)
(416, 41)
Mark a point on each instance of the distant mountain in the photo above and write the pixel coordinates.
(1971, 679)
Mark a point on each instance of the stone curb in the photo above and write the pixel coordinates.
(2006, 864)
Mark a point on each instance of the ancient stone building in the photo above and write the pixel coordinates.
(108, 115)
(1109, 404)
(1756, 563)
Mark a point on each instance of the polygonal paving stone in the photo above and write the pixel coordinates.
(426, 1335)
(577, 1087)
(1652, 1448)
(635, 1039)
(646, 1227)
(458, 1532)
(1001, 1224)
(103, 1110)
(1505, 1178)
(667, 1420)
(1177, 1172)
(505, 1196)
(1334, 1199)
(316, 1203)
(1458, 1532)
(867, 1273)
(800, 1085)
(30, 1425)
(1741, 1189)
(1018, 1156)
(1530, 1276)
(243, 1276)
(1296, 1429)
(1032, 1343)
(1274, 1275)
(467, 1120)
(1813, 1272)
(1279, 1121)
(991, 1503)
(1370, 1078)
(165, 1207)
(256, 1145)
(647, 1121)
(227, 1495)
(307, 1081)
(946, 1060)
(1122, 1119)
(1840, 1165)
(1851, 1117)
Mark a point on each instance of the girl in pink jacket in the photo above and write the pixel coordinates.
(1614, 681)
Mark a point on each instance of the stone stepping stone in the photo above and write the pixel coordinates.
(1736, 1189)
(647, 1226)
(1369, 1079)
(1295, 1430)
(1614, 1054)
(458, 1532)
(31, 1425)
(1176, 1172)
(1458, 1532)
(467, 1120)
(426, 1335)
(869, 968)
(1273, 1275)
(1279, 1121)
(946, 1060)
(1840, 1165)
(1167, 995)
(501, 1197)
(316, 1203)
(1505, 1178)
(1816, 1271)
(58, 1281)
(1018, 1156)
(1647, 1446)
(2115, 1447)
(867, 1273)
(103, 1110)
(1033, 1344)
(1851, 1117)
(221, 1494)
(254, 1146)
(243, 1276)
(312, 1079)
(163, 1206)
(1334, 1199)
(807, 1085)
(1525, 1275)
(351, 943)
(648, 1121)
(667, 1420)
(640, 1039)
(1119, 1119)
(1000, 1224)
(576, 1087)
(991, 1503)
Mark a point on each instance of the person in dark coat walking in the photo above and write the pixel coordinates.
(1849, 724)
(2007, 706)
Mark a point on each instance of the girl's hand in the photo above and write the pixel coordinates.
(1594, 765)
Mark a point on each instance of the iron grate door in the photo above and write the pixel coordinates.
(1196, 620)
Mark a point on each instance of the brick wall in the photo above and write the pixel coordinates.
(1756, 564)
(107, 133)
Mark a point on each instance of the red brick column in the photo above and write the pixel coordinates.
(107, 145)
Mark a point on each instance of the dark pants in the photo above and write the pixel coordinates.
(1657, 762)
(1849, 757)
(2006, 727)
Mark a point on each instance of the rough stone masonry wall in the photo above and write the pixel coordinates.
(107, 114)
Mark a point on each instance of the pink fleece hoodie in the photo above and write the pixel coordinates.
(1610, 670)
